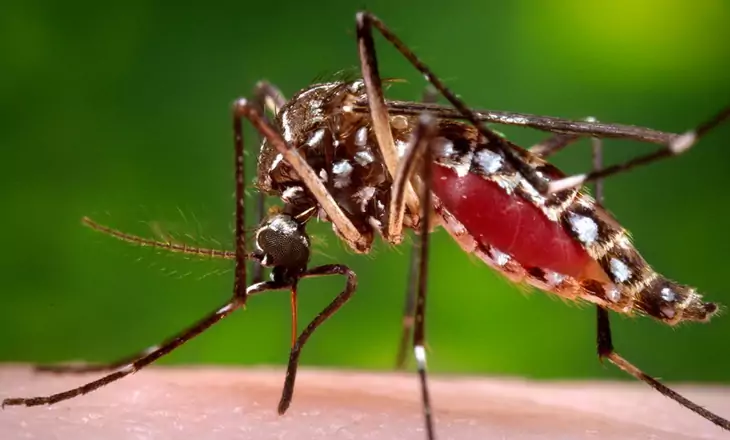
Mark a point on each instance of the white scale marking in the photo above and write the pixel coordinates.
(225, 309)
(286, 125)
(356, 86)
(364, 195)
(364, 157)
(566, 183)
(462, 165)
(620, 270)
(683, 142)
(488, 161)
(282, 226)
(279, 157)
(499, 257)
(668, 295)
(315, 106)
(361, 136)
(316, 138)
(291, 192)
(585, 227)
(150, 350)
(554, 278)
(443, 147)
(342, 171)
(402, 146)
(420, 354)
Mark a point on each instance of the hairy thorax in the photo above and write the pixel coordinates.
(341, 148)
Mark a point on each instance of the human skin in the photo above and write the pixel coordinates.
(237, 403)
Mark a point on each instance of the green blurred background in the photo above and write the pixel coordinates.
(120, 111)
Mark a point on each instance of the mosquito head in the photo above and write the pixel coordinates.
(673, 303)
(282, 243)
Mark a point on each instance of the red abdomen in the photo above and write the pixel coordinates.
(510, 223)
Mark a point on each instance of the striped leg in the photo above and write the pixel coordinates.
(334, 306)
(146, 359)
(267, 97)
(417, 161)
(604, 340)
(239, 297)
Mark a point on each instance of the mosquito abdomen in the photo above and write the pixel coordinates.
(510, 224)
(673, 303)
(564, 243)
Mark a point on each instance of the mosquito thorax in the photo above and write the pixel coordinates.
(340, 146)
(282, 243)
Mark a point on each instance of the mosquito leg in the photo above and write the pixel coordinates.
(418, 154)
(238, 300)
(239, 277)
(381, 124)
(258, 270)
(365, 22)
(345, 227)
(406, 171)
(603, 327)
(267, 97)
(93, 368)
(131, 367)
(677, 145)
(151, 354)
(603, 331)
(132, 364)
(419, 331)
(140, 241)
(558, 141)
(606, 351)
(553, 144)
(409, 308)
(334, 306)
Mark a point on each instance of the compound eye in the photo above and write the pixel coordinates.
(282, 242)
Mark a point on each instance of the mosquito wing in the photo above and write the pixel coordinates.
(543, 123)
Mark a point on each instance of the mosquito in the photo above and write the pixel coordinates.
(340, 152)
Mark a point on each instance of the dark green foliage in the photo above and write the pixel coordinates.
(121, 112)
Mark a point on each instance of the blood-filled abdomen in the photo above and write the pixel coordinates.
(510, 223)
